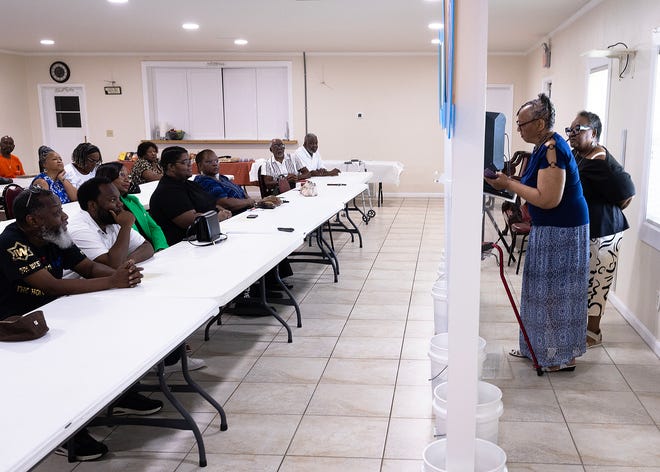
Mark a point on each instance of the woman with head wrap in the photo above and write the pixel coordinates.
(53, 176)
(84, 160)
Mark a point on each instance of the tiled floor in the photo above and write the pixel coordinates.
(351, 392)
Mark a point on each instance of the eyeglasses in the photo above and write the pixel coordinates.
(577, 129)
(33, 189)
(277, 145)
(93, 161)
(520, 125)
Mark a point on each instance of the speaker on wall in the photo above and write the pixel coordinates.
(494, 140)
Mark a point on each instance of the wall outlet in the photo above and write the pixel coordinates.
(109, 133)
(657, 301)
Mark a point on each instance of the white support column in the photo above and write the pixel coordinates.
(464, 157)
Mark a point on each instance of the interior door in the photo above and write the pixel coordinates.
(63, 117)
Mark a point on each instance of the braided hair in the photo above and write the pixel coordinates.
(542, 109)
(42, 153)
(80, 153)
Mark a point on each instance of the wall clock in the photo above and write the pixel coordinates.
(59, 72)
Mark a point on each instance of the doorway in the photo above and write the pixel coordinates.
(63, 117)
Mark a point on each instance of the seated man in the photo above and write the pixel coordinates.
(34, 252)
(104, 230)
(227, 194)
(282, 165)
(311, 158)
(177, 201)
(10, 165)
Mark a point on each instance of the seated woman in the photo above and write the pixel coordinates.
(53, 176)
(146, 168)
(85, 158)
(144, 223)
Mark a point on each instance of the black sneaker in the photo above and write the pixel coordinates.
(132, 403)
(86, 448)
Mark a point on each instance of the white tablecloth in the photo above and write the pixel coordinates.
(387, 172)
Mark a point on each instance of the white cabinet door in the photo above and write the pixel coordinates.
(205, 92)
(272, 100)
(240, 103)
(171, 99)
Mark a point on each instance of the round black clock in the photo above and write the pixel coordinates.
(59, 72)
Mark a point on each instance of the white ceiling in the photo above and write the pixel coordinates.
(154, 26)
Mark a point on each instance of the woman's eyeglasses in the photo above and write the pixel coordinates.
(577, 129)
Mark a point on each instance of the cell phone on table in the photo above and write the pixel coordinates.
(251, 216)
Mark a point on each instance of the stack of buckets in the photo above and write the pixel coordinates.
(488, 456)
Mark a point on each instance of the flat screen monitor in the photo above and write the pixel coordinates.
(494, 140)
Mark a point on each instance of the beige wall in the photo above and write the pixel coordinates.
(396, 93)
(511, 70)
(15, 116)
(638, 278)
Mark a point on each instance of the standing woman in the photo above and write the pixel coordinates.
(53, 176)
(554, 286)
(608, 190)
(146, 168)
(85, 158)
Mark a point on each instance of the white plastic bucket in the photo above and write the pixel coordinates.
(488, 457)
(439, 355)
(440, 318)
(489, 410)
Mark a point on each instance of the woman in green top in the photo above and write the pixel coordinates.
(144, 223)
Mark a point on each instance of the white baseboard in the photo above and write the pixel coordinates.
(413, 195)
(637, 325)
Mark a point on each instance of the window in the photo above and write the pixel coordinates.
(598, 91)
(650, 232)
(212, 100)
(67, 112)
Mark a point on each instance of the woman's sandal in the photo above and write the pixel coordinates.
(517, 353)
(593, 339)
(560, 368)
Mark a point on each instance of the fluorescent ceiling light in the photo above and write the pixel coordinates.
(190, 26)
(435, 41)
(240, 42)
(47, 42)
(435, 26)
(117, 1)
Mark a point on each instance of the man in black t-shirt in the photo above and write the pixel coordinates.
(177, 201)
(34, 252)
(36, 249)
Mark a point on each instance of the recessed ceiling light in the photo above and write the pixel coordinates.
(435, 26)
(240, 42)
(190, 26)
(435, 41)
(117, 1)
(47, 42)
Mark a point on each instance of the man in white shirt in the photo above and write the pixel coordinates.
(103, 230)
(311, 158)
(281, 164)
